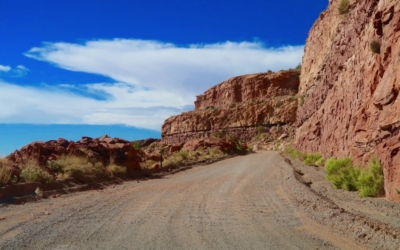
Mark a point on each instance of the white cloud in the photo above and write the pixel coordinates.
(153, 80)
(187, 71)
(5, 68)
(19, 71)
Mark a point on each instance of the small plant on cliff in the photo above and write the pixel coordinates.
(301, 100)
(375, 47)
(137, 144)
(344, 7)
(298, 67)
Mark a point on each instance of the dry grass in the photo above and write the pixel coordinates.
(115, 170)
(5, 177)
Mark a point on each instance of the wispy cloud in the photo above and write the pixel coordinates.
(18, 71)
(4, 68)
(153, 80)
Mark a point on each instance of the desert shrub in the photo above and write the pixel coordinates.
(171, 162)
(312, 158)
(77, 167)
(65, 162)
(5, 176)
(84, 171)
(370, 181)
(375, 47)
(114, 170)
(269, 71)
(215, 153)
(54, 166)
(294, 153)
(298, 67)
(182, 154)
(35, 174)
(344, 7)
(341, 173)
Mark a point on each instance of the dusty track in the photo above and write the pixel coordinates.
(239, 203)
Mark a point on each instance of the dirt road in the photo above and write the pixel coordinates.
(239, 203)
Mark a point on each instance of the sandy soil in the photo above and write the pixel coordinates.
(246, 202)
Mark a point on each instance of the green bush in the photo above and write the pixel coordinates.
(370, 181)
(344, 7)
(312, 158)
(342, 174)
(375, 47)
(35, 174)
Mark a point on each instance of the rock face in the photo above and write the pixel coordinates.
(350, 81)
(250, 88)
(238, 106)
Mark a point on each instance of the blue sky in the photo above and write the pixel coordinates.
(134, 63)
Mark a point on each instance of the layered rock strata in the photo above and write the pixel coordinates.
(350, 81)
(241, 106)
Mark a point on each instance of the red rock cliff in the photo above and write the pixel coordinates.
(237, 107)
(350, 90)
(250, 88)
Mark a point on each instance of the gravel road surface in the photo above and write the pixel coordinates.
(238, 203)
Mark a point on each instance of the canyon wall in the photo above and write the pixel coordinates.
(240, 106)
(350, 80)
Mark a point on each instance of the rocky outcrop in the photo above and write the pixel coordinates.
(350, 81)
(240, 106)
(103, 149)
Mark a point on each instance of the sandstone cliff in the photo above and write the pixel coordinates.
(350, 89)
(238, 107)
